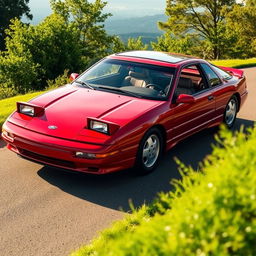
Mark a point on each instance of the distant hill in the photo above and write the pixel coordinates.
(146, 24)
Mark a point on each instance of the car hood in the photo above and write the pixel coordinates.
(68, 108)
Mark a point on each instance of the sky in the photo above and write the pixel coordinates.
(119, 8)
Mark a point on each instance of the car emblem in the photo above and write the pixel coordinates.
(52, 127)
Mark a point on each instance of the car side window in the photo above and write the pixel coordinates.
(213, 78)
(224, 74)
(191, 81)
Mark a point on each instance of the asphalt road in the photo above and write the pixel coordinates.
(45, 211)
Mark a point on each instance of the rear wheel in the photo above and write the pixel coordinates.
(231, 112)
(149, 153)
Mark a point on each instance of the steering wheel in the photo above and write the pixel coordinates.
(155, 87)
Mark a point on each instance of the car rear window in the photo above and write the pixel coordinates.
(222, 73)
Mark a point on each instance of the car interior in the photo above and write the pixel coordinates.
(148, 80)
(141, 80)
(191, 81)
(137, 79)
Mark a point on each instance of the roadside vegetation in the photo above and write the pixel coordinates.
(236, 63)
(211, 211)
(7, 106)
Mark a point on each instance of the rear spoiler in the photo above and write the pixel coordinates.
(234, 71)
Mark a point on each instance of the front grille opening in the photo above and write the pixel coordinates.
(46, 159)
(93, 169)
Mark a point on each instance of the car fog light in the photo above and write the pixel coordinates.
(85, 155)
(8, 135)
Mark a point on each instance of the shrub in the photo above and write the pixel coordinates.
(17, 74)
(38, 53)
(59, 81)
(211, 212)
(7, 92)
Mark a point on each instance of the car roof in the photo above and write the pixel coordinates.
(166, 57)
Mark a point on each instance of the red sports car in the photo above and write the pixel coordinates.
(124, 112)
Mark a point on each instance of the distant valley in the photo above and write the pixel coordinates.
(146, 27)
(146, 24)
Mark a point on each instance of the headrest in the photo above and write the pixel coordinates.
(185, 83)
(137, 75)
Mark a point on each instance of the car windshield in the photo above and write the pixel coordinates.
(129, 78)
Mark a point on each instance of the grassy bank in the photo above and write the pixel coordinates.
(211, 212)
(7, 106)
(236, 63)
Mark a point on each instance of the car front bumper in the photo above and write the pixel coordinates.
(60, 153)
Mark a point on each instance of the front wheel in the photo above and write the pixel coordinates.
(231, 112)
(149, 152)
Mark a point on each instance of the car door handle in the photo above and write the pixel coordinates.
(211, 97)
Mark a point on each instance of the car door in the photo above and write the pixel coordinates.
(223, 91)
(188, 118)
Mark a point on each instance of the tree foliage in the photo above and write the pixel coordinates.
(88, 18)
(205, 19)
(38, 53)
(72, 38)
(10, 9)
(132, 44)
(187, 44)
(241, 24)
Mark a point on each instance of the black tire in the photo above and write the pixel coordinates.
(231, 112)
(149, 152)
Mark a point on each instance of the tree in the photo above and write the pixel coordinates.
(88, 18)
(205, 19)
(132, 44)
(187, 44)
(35, 54)
(241, 23)
(10, 9)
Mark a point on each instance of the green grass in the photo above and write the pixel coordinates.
(211, 212)
(235, 63)
(7, 106)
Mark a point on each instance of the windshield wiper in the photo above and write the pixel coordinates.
(85, 84)
(120, 90)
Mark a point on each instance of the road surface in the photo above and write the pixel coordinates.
(44, 211)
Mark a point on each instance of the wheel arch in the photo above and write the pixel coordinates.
(163, 132)
(238, 97)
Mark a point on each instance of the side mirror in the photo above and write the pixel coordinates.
(73, 76)
(185, 98)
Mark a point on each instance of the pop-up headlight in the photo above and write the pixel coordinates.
(29, 109)
(99, 126)
(105, 127)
